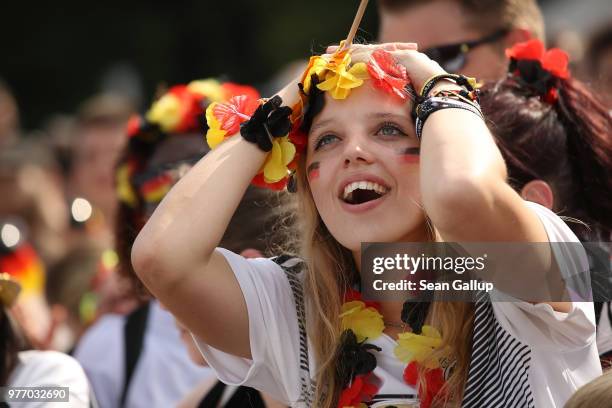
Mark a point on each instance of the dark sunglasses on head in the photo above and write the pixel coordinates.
(452, 57)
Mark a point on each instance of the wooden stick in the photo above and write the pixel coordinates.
(355, 25)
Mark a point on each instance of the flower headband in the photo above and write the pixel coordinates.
(179, 110)
(335, 75)
(538, 69)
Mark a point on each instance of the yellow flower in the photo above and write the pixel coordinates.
(339, 80)
(215, 134)
(418, 347)
(275, 166)
(125, 192)
(210, 88)
(364, 321)
(166, 112)
(316, 65)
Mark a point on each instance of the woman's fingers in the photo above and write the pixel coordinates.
(397, 46)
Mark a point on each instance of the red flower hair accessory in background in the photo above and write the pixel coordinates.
(539, 69)
(387, 74)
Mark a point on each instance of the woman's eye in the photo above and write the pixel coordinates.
(390, 130)
(327, 139)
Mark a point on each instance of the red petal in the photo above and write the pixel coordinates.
(411, 373)
(133, 125)
(235, 111)
(259, 181)
(388, 64)
(528, 50)
(190, 108)
(231, 89)
(298, 138)
(387, 74)
(556, 61)
(551, 96)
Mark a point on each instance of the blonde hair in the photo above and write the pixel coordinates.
(595, 394)
(330, 271)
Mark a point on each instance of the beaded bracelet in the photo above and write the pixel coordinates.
(461, 80)
(433, 104)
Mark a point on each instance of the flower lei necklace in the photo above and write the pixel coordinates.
(361, 321)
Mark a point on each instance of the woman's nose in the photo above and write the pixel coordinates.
(357, 151)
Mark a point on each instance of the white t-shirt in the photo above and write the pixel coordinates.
(163, 375)
(50, 369)
(558, 350)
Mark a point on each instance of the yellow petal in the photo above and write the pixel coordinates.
(214, 137)
(331, 80)
(210, 88)
(364, 322)
(274, 170)
(166, 112)
(215, 134)
(124, 188)
(287, 150)
(430, 331)
(360, 71)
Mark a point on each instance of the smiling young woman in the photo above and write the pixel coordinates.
(295, 327)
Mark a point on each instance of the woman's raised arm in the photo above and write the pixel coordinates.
(174, 254)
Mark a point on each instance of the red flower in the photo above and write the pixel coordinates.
(433, 378)
(232, 89)
(554, 60)
(352, 295)
(387, 74)
(360, 390)
(133, 125)
(259, 181)
(235, 111)
(528, 50)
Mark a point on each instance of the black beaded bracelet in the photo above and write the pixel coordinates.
(461, 80)
(270, 120)
(433, 104)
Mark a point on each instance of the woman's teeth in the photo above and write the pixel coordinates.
(363, 185)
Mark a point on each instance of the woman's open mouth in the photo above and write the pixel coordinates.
(360, 192)
(362, 195)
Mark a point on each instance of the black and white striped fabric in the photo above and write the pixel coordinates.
(498, 375)
(292, 267)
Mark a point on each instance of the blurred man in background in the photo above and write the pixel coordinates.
(99, 141)
(463, 36)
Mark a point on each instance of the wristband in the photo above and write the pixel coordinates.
(433, 104)
(269, 121)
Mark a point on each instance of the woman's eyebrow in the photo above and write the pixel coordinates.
(386, 115)
(320, 124)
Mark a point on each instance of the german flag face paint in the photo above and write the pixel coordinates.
(409, 155)
(313, 171)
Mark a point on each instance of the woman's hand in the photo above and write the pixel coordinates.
(419, 66)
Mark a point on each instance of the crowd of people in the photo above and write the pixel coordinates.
(207, 251)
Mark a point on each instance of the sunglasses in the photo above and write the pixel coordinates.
(453, 57)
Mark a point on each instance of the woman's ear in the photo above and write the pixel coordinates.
(539, 191)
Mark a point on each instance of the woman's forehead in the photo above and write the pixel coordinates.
(363, 104)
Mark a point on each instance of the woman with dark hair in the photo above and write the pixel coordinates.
(556, 138)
